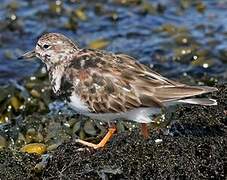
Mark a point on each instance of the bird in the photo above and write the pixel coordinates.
(108, 86)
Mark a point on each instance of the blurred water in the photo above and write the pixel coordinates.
(166, 34)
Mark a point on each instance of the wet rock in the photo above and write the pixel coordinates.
(172, 29)
(183, 39)
(42, 165)
(82, 134)
(15, 102)
(35, 93)
(80, 14)
(56, 7)
(147, 7)
(200, 7)
(21, 140)
(3, 142)
(98, 44)
(223, 54)
(89, 128)
(71, 24)
(9, 55)
(37, 148)
(76, 127)
(128, 2)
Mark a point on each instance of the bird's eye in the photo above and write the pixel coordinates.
(45, 46)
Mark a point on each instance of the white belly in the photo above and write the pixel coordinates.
(141, 115)
(78, 105)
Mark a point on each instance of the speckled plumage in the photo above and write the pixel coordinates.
(109, 86)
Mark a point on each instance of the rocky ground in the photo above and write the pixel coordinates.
(194, 147)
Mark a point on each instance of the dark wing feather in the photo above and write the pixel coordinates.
(117, 83)
(102, 93)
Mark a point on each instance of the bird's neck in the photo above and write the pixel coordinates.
(56, 73)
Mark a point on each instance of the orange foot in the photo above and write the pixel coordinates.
(102, 143)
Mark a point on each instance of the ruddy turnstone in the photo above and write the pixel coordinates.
(108, 86)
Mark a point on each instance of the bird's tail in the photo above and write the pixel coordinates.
(206, 89)
(172, 93)
(182, 95)
(200, 101)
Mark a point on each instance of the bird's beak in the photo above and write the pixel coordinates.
(28, 55)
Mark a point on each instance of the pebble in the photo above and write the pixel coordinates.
(37, 148)
(158, 140)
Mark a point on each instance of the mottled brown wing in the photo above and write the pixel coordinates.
(150, 83)
(111, 83)
(117, 83)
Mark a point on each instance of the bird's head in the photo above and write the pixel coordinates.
(52, 48)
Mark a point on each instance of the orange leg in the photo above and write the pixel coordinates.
(102, 143)
(144, 130)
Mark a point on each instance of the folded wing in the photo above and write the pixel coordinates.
(117, 83)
